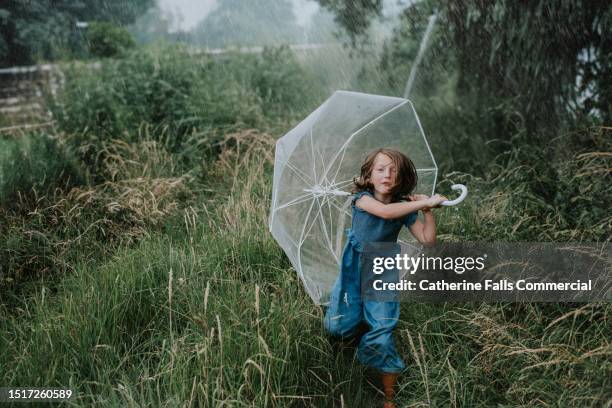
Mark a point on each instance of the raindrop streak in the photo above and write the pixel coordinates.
(422, 48)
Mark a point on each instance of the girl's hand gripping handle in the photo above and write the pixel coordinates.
(436, 200)
(432, 202)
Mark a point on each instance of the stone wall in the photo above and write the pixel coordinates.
(23, 91)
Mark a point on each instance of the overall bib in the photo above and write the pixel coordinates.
(347, 309)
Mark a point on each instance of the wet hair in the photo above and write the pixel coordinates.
(406, 179)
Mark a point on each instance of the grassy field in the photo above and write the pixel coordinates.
(149, 278)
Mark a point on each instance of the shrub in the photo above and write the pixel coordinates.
(108, 40)
(176, 92)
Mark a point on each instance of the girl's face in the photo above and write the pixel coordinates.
(384, 175)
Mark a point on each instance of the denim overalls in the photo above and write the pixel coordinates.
(346, 309)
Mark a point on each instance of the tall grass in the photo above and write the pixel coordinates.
(45, 231)
(523, 196)
(200, 314)
(151, 278)
(34, 162)
(210, 313)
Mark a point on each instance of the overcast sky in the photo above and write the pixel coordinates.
(194, 11)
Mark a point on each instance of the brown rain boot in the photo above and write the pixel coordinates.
(388, 382)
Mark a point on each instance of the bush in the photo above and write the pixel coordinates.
(176, 93)
(281, 83)
(107, 40)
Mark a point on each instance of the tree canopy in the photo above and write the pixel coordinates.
(35, 30)
(549, 58)
(248, 22)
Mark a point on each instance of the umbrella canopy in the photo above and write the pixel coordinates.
(314, 167)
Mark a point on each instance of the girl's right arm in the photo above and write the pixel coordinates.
(396, 210)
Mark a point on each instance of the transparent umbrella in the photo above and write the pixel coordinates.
(314, 167)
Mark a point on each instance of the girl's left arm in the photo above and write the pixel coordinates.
(425, 232)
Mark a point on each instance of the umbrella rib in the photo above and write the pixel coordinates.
(345, 145)
(341, 222)
(300, 240)
(299, 173)
(324, 181)
(302, 236)
(341, 209)
(331, 226)
(325, 234)
(339, 165)
(331, 218)
(312, 224)
(340, 184)
(329, 202)
(314, 171)
(426, 144)
(322, 164)
(295, 201)
(299, 246)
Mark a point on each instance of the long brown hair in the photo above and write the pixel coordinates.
(406, 179)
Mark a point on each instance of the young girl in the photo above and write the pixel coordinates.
(387, 177)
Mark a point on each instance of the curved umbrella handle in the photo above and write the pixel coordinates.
(459, 199)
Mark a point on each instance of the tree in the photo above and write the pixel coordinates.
(321, 28)
(31, 30)
(353, 15)
(248, 22)
(155, 24)
(529, 54)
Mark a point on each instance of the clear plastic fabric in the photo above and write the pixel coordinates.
(314, 167)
